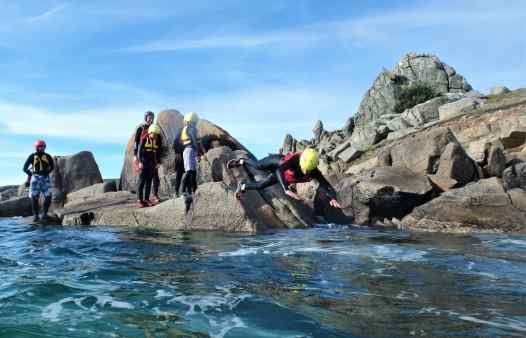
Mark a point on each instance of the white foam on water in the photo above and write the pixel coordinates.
(511, 324)
(471, 265)
(163, 294)
(225, 326)
(517, 242)
(107, 300)
(52, 311)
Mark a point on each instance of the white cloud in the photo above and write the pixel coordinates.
(46, 15)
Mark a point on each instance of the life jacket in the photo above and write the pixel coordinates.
(39, 161)
(185, 138)
(151, 144)
(144, 132)
(290, 174)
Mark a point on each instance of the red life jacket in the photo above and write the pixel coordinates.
(289, 174)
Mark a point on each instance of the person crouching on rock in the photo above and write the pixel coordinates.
(290, 169)
(140, 134)
(42, 166)
(148, 153)
(188, 139)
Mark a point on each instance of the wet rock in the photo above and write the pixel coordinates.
(456, 164)
(384, 192)
(515, 176)
(18, 206)
(457, 108)
(481, 205)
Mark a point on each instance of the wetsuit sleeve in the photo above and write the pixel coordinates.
(177, 142)
(29, 161)
(140, 153)
(137, 140)
(193, 136)
(280, 173)
(325, 186)
(51, 164)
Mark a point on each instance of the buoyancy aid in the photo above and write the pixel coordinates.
(39, 161)
(185, 138)
(292, 176)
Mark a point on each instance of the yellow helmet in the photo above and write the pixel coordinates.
(309, 160)
(154, 129)
(191, 118)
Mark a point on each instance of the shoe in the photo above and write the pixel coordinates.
(141, 204)
(234, 163)
(36, 219)
(148, 203)
(155, 200)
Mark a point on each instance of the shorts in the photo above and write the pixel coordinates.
(40, 185)
(189, 158)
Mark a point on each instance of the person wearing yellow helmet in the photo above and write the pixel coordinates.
(187, 141)
(149, 157)
(299, 167)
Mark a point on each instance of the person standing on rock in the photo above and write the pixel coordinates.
(38, 167)
(140, 134)
(188, 139)
(178, 148)
(149, 155)
(299, 167)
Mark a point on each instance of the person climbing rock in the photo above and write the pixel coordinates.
(292, 168)
(148, 153)
(188, 139)
(178, 148)
(140, 134)
(38, 167)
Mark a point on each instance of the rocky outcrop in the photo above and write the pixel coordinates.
(456, 108)
(384, 192)
(515, 176)
(8, 192)
(482, 205)
(171, 121)
(18, 206)
(382, 97)
(457, 165)
(92, 191)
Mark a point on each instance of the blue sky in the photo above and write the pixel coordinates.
(81, 73)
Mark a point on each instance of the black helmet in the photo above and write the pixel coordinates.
(148, 113)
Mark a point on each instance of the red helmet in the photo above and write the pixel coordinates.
(40, 143)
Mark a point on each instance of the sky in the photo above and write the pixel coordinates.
(81, 74)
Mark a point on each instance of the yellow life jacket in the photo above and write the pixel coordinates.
(151, 144)
(185, 138)
(38, 162)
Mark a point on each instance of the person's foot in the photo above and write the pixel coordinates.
(148, 203)
(45, 218)
(155, 200)
(141, 204)
(240, 189)
(36, 219)
(238, 162)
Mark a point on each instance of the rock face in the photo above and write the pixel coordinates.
(73, 173)
(456, 164)
(171, 121)
(382, 97)
(92, 191)
(8, 192)
(456, 108)
(19, 206)
(384, 192)
(482, 205)
(515, 176)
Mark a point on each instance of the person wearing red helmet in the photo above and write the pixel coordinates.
(38, 166)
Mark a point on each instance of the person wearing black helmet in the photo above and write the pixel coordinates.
(141, 133)
(38, 166)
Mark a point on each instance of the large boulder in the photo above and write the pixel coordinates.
(457, 108)
(421, 152)
(171, 121)
(384, 192)
(73, 173)
(424, 113)
(18, 206)
(496, 161)
(382, 97)
(482, 205)
(92, 191)
(456, 164)
(8, 192)
(515, 176)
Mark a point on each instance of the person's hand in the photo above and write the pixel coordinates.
(135, 159)
(335, 204)
(293, 195)
(141, 166)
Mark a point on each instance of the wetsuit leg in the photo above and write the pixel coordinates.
(269, 163)
(179, 171)
(142, 183)
(148, 185)
(190, 181)
(259, 185)
(156, 182)
(194, 180)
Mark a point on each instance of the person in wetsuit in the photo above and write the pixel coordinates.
(149, 154)
(178, 148)
(292, 168)
(188, 139)
(38, 167)
(140, 134)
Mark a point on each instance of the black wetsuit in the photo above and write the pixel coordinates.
(42, 168)
(141, 133)
(148, 153)
(179, 163)
(286, 170)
